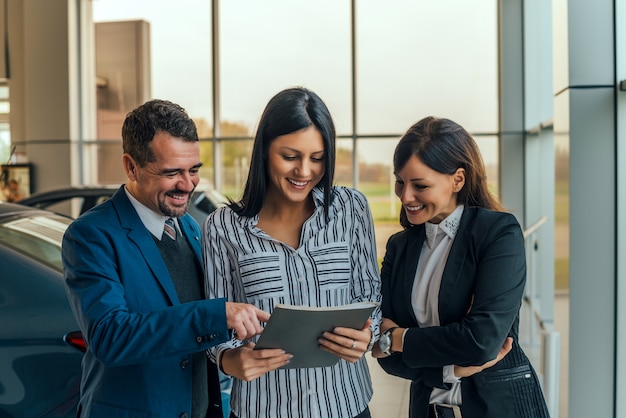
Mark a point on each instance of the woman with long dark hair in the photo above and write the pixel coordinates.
(295, 239)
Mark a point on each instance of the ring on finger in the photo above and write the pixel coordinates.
(353, 344)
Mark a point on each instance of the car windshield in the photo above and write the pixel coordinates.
(39, 237)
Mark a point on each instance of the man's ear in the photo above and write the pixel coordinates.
(458, 179)
(130, 167)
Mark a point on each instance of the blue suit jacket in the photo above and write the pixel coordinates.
(140, 338)
(479, 300)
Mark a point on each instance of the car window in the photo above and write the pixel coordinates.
(71, 204)
(64, 207)
(38, 237)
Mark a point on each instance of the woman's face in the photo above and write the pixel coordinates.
(426, 194)
(295, 164)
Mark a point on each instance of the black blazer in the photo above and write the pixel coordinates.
(485, 274)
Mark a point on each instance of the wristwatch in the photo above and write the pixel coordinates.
(385, 342)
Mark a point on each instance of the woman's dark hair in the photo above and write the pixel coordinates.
(146, 120)
(289, 111)
(444, 146)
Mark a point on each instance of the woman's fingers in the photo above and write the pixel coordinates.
(247, 364)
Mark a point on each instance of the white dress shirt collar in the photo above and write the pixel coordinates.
(153, 221)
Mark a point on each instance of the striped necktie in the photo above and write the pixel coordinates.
(169, 228)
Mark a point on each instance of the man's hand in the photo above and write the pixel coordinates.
(245, 319)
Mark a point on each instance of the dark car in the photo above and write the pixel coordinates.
(204, 200)
(40, 345)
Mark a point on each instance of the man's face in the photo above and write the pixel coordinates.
(166, 185)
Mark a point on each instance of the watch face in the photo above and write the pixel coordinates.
(385, 342)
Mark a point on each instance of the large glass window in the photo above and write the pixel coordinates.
(416, 59)
(180, 48)
(176, 66)
(412, 59)
(269, 45)
(424, 58)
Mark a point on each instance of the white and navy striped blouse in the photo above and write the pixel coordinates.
(335, 264)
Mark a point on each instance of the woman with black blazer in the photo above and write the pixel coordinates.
(452, 285)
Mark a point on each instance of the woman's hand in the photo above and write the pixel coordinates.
(347, 343)
(247, 364)
(468, 371)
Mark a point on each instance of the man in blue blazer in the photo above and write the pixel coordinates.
(137, 291)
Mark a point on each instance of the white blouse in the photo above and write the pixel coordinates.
(335, 264)
(425, 293)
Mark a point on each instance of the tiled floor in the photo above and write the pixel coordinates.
(391, 394)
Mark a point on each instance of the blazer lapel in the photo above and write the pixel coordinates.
(415, 241)
(453, 269)
(142, 238)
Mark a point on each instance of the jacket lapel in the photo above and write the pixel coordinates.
(415, 241)
(142, 238)
(454, 265)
